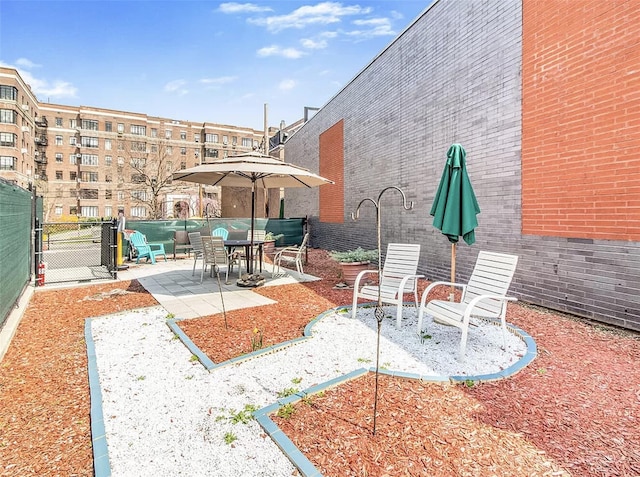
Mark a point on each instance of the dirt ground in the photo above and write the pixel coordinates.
(573, 411)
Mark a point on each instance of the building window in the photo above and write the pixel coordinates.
(211, 138)
(169, 150)
(234, 140)
(120, 160)
(8, 163)
(108, 126)
(138, 212)
(120, 128)
(59, 192)
(89, 160)
(58, 175)
(89, 211)
(89, 194)
(247, 142)
(90, 124)
(139, 195)
(72, 175)
(183, 166)
(89, 176)
(196, 137)
(167, 133)
(8, 139)
(138, 130)
(139, 146)
(108, 211)
(73, 141)
(107, 144)
(108, 178)
(154, 148)
(59, 157)
(183, 135)
(87, 141)
(225, 140)
(9, 92)
(8, 116)
(120, 195)
(58, 122)
(59, 141)
(107, 160)
(138, 178)
(211, 153)
(58, 210)
(108, 194)
(73, 123)
(183, 151)
(138, 162)
(154, 132)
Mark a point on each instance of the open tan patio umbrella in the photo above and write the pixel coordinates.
(251, 169)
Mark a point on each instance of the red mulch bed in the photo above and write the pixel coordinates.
(573, 410)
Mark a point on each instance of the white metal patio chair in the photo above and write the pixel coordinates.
(398, 277)
(293, 255)
(484, 296)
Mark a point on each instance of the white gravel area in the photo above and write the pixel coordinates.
(165, 415)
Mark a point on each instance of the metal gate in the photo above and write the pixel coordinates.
(75, 252)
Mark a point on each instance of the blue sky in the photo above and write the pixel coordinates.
(197, 60)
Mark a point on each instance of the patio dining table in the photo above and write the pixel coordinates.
(231, 245)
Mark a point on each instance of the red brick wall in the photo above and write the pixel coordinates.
(332, 166)
(581, 119)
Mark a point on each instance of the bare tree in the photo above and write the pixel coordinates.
(148, 169)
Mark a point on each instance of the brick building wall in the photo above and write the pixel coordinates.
(455, 75)
(581, 117)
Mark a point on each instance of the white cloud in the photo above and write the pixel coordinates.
(40, 87)
(233, 7)
(313, 44)
(26, 63)
(324, 13)
(374, 27)
(219, 80)
(176, 86)
(274, 50)
(286, 85)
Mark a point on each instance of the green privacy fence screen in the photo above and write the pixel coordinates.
(16, 212)
(161, 231)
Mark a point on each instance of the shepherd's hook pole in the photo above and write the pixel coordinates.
(379, 314)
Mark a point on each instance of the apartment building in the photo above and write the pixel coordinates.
(93, 162)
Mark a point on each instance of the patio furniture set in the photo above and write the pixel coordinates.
(483, 296)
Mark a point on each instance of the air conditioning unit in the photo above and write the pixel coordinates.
(24, 151)
(25, 107)
(25, 128)
(36, 153)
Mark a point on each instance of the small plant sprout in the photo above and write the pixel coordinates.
(229, 438)
(244, 416)
(424, 336)
(469, 383)
(286, 411)
(363, 360)
(296, 380)
(193, 358)
(541, 371)
(170, 316)
(141, 378)
(256, 339)
(286, 392)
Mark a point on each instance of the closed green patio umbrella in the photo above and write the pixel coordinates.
(455, 206)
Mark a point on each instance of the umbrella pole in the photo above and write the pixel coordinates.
(453, 270)
(253, 214)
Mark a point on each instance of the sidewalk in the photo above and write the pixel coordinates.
(179, 291)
